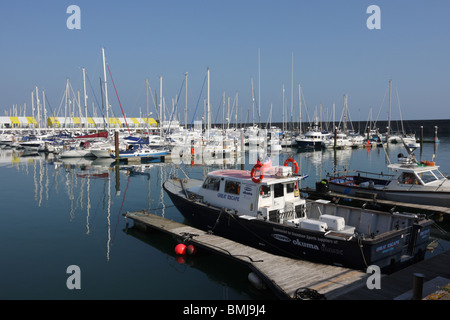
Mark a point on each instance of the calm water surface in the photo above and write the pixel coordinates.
(61, 213)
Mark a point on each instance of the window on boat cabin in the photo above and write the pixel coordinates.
(290, 187)
(232, 187)
(408, 178)
(427, 177)
(264, 191)
(278, 190)
(438, 174)
(211, 183)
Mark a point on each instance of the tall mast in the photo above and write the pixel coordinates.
(106, 89)
(253, 105)
(389, 115)
(292, 90)
(32, 108)
(345, 114)
(160, 108)
(38, 112)
(186, 100)
(208, 104)
(148, 112)
(300, 107)
(283, 110)
(259, 87)
(44, 110)
(85, 99)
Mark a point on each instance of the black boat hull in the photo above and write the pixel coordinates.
(386, 252)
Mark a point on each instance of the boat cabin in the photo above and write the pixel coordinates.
(275, 198)
(419, 174)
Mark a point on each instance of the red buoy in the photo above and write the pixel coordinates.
(180, 259)
(191, 249)
(180, 249)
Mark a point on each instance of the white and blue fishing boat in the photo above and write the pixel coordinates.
(141, 152)
(411, 182)
(266, 211)
(312, 139)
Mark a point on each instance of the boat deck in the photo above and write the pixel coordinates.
(371, 198)
(284, 276)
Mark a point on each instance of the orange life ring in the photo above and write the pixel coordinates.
(257, 167)
(293, 162)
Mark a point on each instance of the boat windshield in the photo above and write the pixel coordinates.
(427, 177)
(438, 174)
(211, 183)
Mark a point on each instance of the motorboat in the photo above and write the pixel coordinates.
(263, 208)
(412, 181)
(141, 152)
(312, 139)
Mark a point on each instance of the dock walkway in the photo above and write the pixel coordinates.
(284, 276)
(399, 285)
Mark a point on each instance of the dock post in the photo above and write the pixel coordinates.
(418, 286)
(116, 140)
(335, 138)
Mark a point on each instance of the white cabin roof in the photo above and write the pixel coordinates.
(245, 176)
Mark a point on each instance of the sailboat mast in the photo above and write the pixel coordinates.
(292, 91)
(160, 108)
(389, 115)
(186, 100)
(38, 110)
(300, 107)
(106, 89)
(259, 87)
(208, 104)
(85, 99)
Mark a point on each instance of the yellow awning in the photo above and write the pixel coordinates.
(15, 120)
(90, 120)
(151, 121)
(114, 121)
(76, 120)
(31, 120)
(52, 121)
(136, 121)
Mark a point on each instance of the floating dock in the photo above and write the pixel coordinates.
(287, 278)
(434, 273)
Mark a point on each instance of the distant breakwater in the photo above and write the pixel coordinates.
(409, 126)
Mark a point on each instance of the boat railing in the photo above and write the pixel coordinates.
(357, 173)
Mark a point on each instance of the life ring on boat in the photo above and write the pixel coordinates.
(290, 160)
(257, 167)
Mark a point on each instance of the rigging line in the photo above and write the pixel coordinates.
(118, 99)
(196, 107)
(176, 106)
(96, 100)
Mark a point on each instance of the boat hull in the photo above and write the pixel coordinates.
(386, 252)
(432, 197)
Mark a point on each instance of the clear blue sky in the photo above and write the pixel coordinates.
(334, 54)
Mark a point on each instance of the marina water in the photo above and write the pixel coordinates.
(59, 213)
